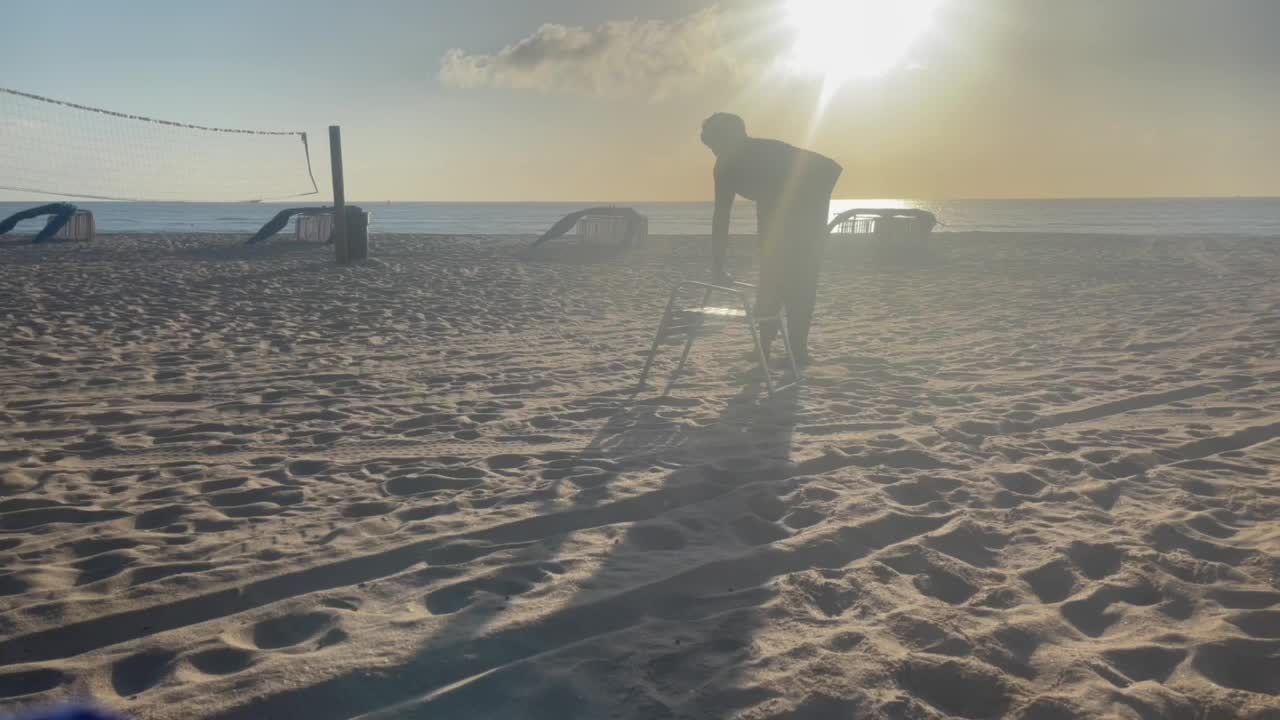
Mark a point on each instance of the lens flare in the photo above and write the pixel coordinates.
(842, 39)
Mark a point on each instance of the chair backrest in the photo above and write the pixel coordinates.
(890, 223)
(315, 227)
(612, 229)
(81, 227)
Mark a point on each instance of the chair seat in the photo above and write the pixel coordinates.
(690, 320)
(686, 323)
(716, 311)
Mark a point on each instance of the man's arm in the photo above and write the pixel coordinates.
(720, 224)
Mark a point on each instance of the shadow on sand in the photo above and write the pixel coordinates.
(716, 500)
(677, 570)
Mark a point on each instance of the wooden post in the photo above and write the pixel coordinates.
(339, 197)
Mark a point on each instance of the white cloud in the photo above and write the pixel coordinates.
(631, 58)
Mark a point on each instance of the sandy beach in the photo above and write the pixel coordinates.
(1027, 476)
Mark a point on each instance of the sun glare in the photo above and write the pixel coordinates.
(842, 39)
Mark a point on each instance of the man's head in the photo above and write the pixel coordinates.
(722, 132)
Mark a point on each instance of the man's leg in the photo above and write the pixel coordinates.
(769, 294)
(771, 281)
(800, 289)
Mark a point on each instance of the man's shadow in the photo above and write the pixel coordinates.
(662, 432)
(711, 471)
(751, 419)
(674, 557)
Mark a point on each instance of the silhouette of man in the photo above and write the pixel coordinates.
(791, 188)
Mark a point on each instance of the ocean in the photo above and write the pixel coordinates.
(1195, 216)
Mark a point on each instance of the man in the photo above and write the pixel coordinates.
(791, 188)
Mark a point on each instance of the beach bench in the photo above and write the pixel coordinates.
(81, 227)
(314, 227)
(622, 230)
(605, 225)
(690, 320)
(885, 223)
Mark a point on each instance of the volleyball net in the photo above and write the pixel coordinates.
(55, 148)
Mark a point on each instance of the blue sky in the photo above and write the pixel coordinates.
(1003, 98)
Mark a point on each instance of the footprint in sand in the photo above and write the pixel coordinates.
(295, 629)
(506, 583)
(421, 483)
(1240, 664)
(141, 672)
(368, 509)
(912, 493)
(972, 543)
(308, 468)
(507, 461)
(1149, 662)
(1208, 525)
(11, 584)
(922, 491)
(1021, 483)
(585, 473)
(773, 518)
(956, 687)
(929, 576)
(1168, 538)
(17, 504)
(169, 493)
(1052, 582)
(845, 642)
(1093, 614)
(426, 512)
(803, 517)
(920, 634)
(103, 566)
(222, 661)
(1262, 624)
(273, 494)
(161, 517)
(1096, 561)
(1245, 599)
(62, 514)
(31, 682)
(253, 510)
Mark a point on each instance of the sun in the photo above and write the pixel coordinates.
(842, 39)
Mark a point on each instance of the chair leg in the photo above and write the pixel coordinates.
(786, 342)
(688, 345)
(653, 352)
(684, 357)
(657, 339)
(755, 338)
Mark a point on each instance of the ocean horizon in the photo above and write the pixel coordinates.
(1148, 216)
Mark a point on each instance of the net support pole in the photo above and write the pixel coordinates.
(340, 245)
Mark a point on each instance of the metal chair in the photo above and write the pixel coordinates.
(689, 321)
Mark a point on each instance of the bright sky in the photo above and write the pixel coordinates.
(602, 99)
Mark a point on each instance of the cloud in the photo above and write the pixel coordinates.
(654, 59)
